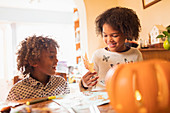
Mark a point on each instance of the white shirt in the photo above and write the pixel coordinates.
(103, 60)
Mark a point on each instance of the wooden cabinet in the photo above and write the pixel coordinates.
(77, 35)
(152, 53)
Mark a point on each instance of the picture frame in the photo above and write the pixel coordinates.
(147, 3)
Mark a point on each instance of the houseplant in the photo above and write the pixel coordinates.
(166, 35)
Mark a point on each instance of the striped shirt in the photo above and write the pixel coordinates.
(31, 88)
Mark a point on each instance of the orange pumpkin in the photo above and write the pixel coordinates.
(141, 87)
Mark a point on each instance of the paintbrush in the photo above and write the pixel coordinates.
(40, 100)
(8, 108)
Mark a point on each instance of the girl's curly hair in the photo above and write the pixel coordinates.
(30, 50)
(121, 19)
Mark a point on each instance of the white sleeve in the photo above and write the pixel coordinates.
(140, 57)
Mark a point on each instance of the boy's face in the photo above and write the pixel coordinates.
(48, 62)
(114, 40)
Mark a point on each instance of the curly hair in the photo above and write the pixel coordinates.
(121, 19)
(30, 50)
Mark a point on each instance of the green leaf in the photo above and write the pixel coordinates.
(160, 36)
(168, 38)
(168, 29)
(168, 35)
(165, 33)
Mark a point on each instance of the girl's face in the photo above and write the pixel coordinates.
(48, 62)
(114, 40)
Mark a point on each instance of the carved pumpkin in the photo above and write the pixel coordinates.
(141, 87)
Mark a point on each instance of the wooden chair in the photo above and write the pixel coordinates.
(64, 75)
(16, 79)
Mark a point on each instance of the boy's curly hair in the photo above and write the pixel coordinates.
(30, 50)
(121, 19)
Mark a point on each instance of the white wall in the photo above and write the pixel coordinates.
(157, 13)
(92, 9)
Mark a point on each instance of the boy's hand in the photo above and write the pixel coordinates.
(89, 79)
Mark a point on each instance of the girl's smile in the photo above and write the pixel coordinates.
(114, 40)
(112, 45)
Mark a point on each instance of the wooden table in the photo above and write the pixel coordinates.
(53, 107)
(56, 108)
(106, 109)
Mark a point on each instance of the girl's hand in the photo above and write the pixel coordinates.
(89, 79)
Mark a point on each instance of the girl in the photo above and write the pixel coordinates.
(115, 25)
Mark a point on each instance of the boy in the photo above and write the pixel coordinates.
(37, 61)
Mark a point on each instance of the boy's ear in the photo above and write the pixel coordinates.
(33, 63)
